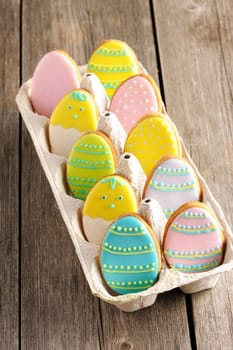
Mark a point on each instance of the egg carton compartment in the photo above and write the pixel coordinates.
(70, 208)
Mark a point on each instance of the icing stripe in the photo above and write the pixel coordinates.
(195, 267)
(117, 233)
(172, 171)
(87, 167)
(111, 85)
(112, 52)
(193, 230)
(128, 252)
(132, 288)
(189, 186)
(193, 215)
(104, 68)
(130, 271)
(194, 255)
(79, 150)
(80, 185)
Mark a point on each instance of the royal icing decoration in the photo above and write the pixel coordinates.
(135, 97)
(172, 183)
(193, 240)
(74, 114)
(111, 197)
(55, 75)
(113, 62)
(91, 158)
(153, 138)
(130, 257)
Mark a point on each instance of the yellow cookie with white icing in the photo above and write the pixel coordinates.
(76, 113)
(113, 62)
(110, 198)
(153, 138)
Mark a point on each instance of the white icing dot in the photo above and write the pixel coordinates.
(135, 92)
(141, 85)
(130, 87)
(146, 109)
(125, 107)
(120, 101)
(117, 110)
(147, 100)
(152, 108)
(144, 93)
(135, 81)
(125, 94)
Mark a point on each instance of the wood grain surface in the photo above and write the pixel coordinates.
(9, 175)
(46, 303)
(195, 45)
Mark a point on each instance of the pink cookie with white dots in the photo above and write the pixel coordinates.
(134, 98)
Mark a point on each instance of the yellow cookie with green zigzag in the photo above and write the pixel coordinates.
(113, 62)
(92, 157)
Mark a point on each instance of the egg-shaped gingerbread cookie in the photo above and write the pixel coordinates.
(91, 158)
(153, 138)
(193, 239)
(55, 75)
(109, 198)
(134, 98)
(113, 62)
(75, 113)
(130, 258)
(172, 183)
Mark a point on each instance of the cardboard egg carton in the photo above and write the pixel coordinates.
(128, 166)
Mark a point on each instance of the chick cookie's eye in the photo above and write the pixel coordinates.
(120, 198)
(70, 107)
(104, 197)
(81, 109)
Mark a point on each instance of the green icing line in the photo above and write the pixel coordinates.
(187, 256)
(195, 268)
(79, 96)
(112, 52)
(126, 234)
(172, 171)
(76, 149)
(112, 181)
(128, 252)
(87, 167)
(109, 68)
(172, 188)
(111, 85)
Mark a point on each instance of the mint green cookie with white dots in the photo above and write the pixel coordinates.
(91, 158)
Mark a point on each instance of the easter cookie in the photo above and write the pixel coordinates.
(75, 113)
(134, 98)
(130, 258)
(92, 157)
(109, 198)
(151, 139)
(113, 62)
(193, 240)
(55, 75)
(172, 183)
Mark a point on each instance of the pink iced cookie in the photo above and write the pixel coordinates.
(55, 75)
(134, 98)
(193, 239)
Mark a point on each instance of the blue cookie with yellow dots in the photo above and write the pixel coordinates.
(130, 257)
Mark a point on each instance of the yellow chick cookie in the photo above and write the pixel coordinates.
(75, 114)
(92, 157)
(113, 62)
(110, 198)
(153, 138)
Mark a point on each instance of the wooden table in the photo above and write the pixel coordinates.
(45, 302)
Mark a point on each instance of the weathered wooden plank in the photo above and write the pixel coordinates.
(195, 44)
(58, 311)
(9, 158)
(52, 300)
